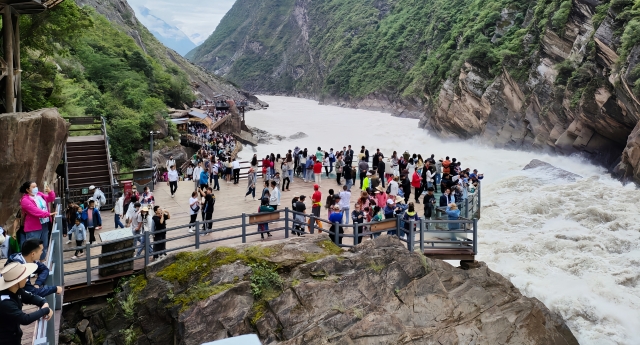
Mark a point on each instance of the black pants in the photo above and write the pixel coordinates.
(193, 219)
(216, 185)
(285, 183)
(338, 175)
(173, 186)
(236, 176)
(92, 234)
(157, 247)
(275, 207)
(208, 216)
(418, 191)
(79, 251)
(326, 171)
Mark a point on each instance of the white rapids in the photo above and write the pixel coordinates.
(573, 245)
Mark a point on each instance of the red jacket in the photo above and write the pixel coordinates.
(317, 167)
(316, 198)
(415, 180)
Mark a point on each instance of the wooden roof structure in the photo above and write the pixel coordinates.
(30, 6)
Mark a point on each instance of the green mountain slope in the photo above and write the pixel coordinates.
(553, 75)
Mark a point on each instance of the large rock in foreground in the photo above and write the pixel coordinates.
(308, 291)
(31, 147)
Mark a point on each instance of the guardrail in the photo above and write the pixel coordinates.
(287, 221)
(45, 330)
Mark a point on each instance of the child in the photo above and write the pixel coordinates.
(81, 234)
(378, 216)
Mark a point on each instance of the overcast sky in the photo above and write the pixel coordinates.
(196, 18)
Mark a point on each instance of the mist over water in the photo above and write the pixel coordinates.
(573, 245)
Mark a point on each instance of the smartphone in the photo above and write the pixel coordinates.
(46, 185)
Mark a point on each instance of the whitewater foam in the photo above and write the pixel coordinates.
(573, 245)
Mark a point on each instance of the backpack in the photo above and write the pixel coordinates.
(388, 188)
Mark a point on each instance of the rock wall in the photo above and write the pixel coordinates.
(31, 147)
(308, 291)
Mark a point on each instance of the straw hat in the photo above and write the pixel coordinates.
(14, 273)
(399, 199)
(145, 209)
(380, 189)
(453, 206)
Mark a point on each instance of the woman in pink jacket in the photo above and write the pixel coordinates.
(37, 218)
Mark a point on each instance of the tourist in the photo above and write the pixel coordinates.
(453, 214)
(194, 207)
(289, 165)
(345, 199)
(363, 168)
(204, 178)
(277, 168)
(132, 210)
(141, 225)
(12, 296)
(390, 213)
(264, 208)
(299, 218)
(265, 190)
(118, 209)
(405, 185)
(410, 215)
(173, 180)
(393, 187)
(302, 162)
(272, 165)
(92, 220)
(446, 198)
(81, 235)
(159, 231)
(374, 180)
(196, 176)
(376, 159)
(416, 183)
(34, 205)
(147, 196)
(72, 213)
(228, 170)
(98, 196)
(348, 175)
(365, 184)
(411, 168)
(317, 171)
(236, 171)
(170, 163)
(329, 202)
(429, 202)
(274, 195)
(332, 160)
(309, 169)
(335, 218)
(358, 217)
(316, 200)
(30, 253)
(208, 207)
(251, 184)
(339, 165)
(326, 164)
(377, 216)
(190, 171)
(215, 174)
(380, 196)
(382, 170)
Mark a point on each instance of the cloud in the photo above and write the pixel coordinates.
(196, 18)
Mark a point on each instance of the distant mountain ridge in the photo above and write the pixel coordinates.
(170, 35)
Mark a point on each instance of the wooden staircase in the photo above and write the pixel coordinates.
(87, 162)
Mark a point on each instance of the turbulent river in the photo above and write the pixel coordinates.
(573, 245)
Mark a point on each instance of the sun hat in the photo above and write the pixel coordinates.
(145, 209)
(379, 189)
(14, 273)
(399, 199)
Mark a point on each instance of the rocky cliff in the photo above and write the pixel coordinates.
(31, 147)
(551, 75)
(204, 84)
(308, 291)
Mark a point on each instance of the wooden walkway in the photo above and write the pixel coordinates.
(230, 202)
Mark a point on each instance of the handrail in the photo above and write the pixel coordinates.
(45, 330)
(106, 144)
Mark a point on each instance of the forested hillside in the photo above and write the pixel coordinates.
(552, 75)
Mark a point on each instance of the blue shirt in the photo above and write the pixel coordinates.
(336, 217)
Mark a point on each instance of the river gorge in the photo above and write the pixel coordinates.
(571, 243)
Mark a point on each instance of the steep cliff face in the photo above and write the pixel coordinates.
(308, 291)
(552, 75)
(203, 83)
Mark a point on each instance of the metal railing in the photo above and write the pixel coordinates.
(106, 145)
(287, 221)
(45, 330)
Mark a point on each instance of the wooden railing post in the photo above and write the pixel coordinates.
(87, 249)
(244, 228)
(197, 234)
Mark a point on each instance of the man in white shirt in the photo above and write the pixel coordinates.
(98, 196)
(173, 180)
(236, 171)
(171, 162)
(274, 199)
(196, 176)
(345, 198)
(119, 209)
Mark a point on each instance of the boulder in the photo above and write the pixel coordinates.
(299, 135)
(376, 293)
(31, 147)
(560, 173)
(161, 156)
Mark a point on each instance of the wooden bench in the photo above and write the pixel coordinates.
(384, 225)
(263, 218)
